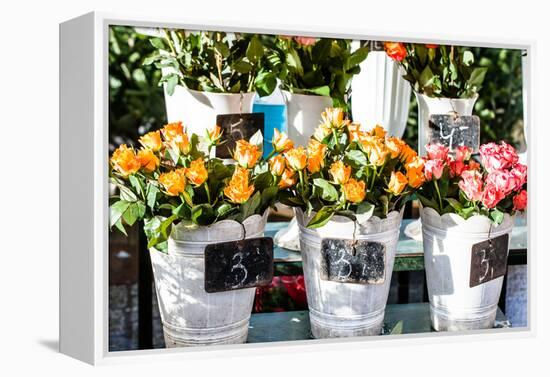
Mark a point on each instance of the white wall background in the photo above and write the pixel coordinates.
(29, 184)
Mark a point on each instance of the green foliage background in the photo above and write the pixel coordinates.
(136, 102)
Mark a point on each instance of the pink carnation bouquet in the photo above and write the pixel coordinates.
(458, 184)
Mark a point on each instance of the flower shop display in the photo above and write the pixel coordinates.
(444, 79)
(380, 95)
(348, 188)
(191, 202)
(209, 73)
(315, 74)
(467, 217)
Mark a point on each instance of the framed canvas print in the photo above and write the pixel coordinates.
(232, 189)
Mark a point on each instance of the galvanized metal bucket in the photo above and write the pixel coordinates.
(191, 316)
(448, 241)
(345, 309)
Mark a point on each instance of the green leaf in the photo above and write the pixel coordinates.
(249, 207)
(328, 191)
(224, 209)
(477, 77)
(151, 59)
(426, 77)
(358, 56)
(133, 213)
(356, 158)
(116, 211)
(455, 204)
(152, 192)
(158, 43)
(268, 196)
(397, 329)
(136, 184)
(255, 50)
(203, 214)
(320, 91)
(321, 217)
(497, 216)
(265, 83)
(467, 57)
(242, 67)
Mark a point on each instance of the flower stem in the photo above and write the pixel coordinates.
(207, 192)
(438, 195)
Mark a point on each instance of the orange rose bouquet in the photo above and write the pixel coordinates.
(438, 70)
(348, 171)
(171, 178)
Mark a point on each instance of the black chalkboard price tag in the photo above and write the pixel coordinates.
(238, 264)
(236, 127)
(348, 261)
(489, 260)
(454, 131)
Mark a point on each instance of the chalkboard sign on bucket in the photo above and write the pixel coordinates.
(235, 127)
(239, 264)
(349, 261)
(454, 131)
(489, 260)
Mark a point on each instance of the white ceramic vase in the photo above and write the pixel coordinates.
(428, 106)
(198, 110)
(304, 115)
(380, 95)
(191, 316)
(448, 241)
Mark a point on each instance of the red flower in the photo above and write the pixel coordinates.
(520, 201)
(432, 46)
(395, 50)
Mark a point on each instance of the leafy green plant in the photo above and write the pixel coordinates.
(136, 103)
(214, 61)
(438, 70)
(319, 66)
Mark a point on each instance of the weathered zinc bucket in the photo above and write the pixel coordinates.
(191, 316)
(343, 309)
(464, 282)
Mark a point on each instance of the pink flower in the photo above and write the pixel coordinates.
(472, 185)
(463, 153)
(433, 169)
(437, 151)
(520, 201)
(491, 196)
(305, 41)
(457, 167)
(502, 180)
(498, 156)
(519, 175)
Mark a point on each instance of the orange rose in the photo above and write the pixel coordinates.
(125, 161)
(214, 134)
(367, 141)
(246, 154)
(288, 179)
(315, 155)
(238, 190)
(354, 191)
(340, 172)
(415, 172)
(333, 117)
(398, 182)
(176, 137)
(407, 154)
(395, 50)
(378, 153)
(378, 131)
(197, 173)
(296, 158)
(281, 142)
(151, 140)
(354, 131)
(173, 181)
(394, 146)
(322, 132)
(277, 165)
(148, 160)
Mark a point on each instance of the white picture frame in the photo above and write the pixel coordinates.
(84, 184)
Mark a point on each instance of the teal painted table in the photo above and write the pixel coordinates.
(284, 326)
(409, 257)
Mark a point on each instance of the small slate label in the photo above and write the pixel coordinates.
(489, 259)
(236, 127)
(454, 131)
(238, 264)
(362, 263)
